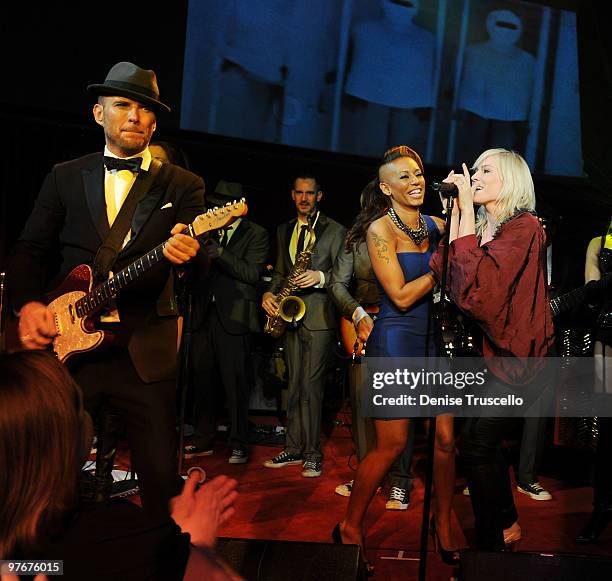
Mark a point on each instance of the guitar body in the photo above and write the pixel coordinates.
(348, 335)
(74, 334)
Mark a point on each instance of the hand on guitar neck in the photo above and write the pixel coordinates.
(364, 328)
(354, 340)
(180, 248)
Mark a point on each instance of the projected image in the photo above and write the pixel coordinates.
(356, 76)
(261, 70)
(390, 65)
(504, 94)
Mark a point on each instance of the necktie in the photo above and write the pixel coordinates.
(114, 163)
(301, 238)
(223, 237)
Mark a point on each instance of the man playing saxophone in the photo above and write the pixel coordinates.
(308, 346)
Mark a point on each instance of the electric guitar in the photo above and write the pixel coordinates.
(575, 297)
(75, 303)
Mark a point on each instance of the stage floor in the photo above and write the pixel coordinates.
(279, 504)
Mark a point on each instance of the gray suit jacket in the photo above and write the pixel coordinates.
(320, 312)
(353, 282)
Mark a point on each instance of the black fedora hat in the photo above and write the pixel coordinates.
(128, 80)
(224, 192)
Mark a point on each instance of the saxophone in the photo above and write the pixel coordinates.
(291, 308)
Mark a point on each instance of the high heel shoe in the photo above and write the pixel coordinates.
(450, 557)
(598, 523)
(367, 566)
(512, 537)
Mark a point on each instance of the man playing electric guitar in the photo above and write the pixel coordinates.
(76, 207)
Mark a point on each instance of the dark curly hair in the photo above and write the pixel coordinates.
(374, 203)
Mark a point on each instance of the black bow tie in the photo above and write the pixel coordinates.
(115, 163)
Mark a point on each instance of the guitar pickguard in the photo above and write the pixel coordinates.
(73, 336)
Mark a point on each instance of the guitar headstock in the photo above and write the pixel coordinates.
(219, 217)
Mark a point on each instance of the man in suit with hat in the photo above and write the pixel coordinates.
(308, 347)
(107, 209)
(225, 316)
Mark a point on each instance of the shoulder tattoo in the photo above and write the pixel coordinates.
(382, 247)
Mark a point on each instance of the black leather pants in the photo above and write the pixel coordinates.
(488, 479)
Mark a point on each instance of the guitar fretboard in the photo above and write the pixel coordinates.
(105, 291)
(567, 301)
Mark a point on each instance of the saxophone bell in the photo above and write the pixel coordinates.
(292, 309)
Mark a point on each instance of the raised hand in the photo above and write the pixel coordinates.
(201, 511)
(463, 181)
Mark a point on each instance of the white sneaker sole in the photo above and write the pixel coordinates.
(342, 491)
(311, 474)
(188, 455)
(546, 496)
(283, 464)
(396, 505)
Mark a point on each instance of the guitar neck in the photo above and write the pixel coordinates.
(105, 291)
(567, 301)
(576, 296)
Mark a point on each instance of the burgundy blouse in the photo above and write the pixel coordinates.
(502, 287)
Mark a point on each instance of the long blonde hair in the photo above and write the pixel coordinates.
(517, 191)
(40, 448)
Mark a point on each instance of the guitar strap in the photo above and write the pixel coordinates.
(109, 250)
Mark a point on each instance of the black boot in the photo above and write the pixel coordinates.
(108, 431)
(598, 523)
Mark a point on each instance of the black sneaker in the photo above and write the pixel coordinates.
(193, 451)
(311, 469)
(535, 491)
(283, 459)
(239, 456)
(398, 499)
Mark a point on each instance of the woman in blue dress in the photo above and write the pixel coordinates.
(400, 242)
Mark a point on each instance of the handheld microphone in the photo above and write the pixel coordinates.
(445, 189)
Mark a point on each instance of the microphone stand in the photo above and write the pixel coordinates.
(431, 436)
(183, 371)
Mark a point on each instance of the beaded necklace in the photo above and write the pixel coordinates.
(417, 235)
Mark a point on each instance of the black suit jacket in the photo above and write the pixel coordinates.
(71, 210)
(320, 312)
(232, 281)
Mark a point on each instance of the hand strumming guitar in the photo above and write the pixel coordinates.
(36, 326)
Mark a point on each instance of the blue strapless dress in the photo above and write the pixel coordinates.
(406, 333)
